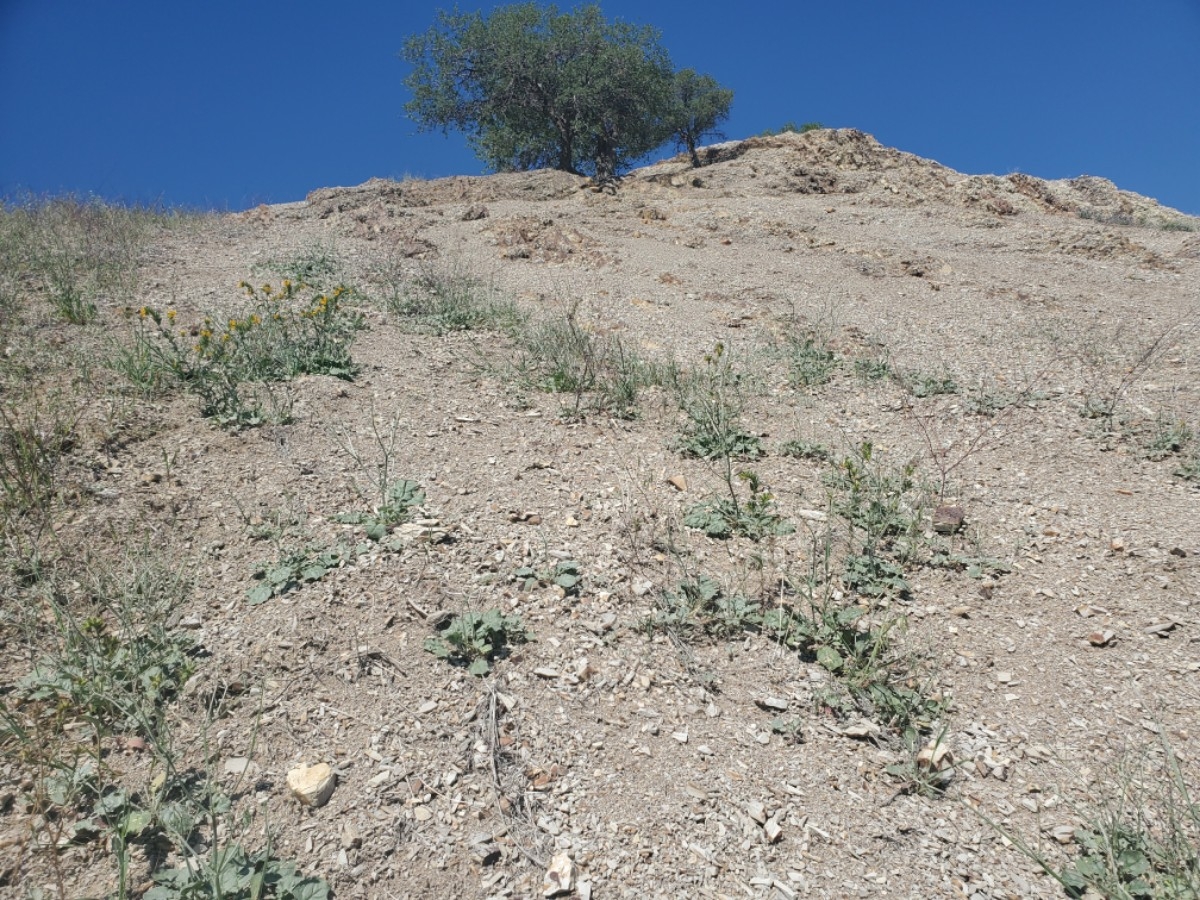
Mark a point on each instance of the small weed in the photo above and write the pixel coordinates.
(1139, 837)
(806, 450)
(857, 650)
(700, 606)
(562, 356)
(317, 265)
(711, 399)
(810, 363)
(293, 570)
(476, 639)
(873, 368)
(874, 576)
(928, 770)
(232, 874)
(879, 502)
(789, 728)
(1189, 469)
(566, 574)
(974, 566)
(755, 517)
(444, 300)
(925, 384)
(399, 500)
(1168, 436)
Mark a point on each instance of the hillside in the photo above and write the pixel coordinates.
(849, 503)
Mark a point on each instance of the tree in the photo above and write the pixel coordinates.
(533, 87)
(699, 104)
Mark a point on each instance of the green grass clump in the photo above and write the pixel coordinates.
(230, 362)
(448, 300)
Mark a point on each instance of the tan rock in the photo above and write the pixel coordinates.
(312, 785)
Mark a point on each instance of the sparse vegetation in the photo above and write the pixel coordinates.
(231, 363)
(754, 516)
(475, 639)
(447, 299)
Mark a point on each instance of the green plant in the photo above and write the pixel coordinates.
(700, 605)
(399, 500)
(873, 368)
(755, 517)
(927, 384)
(879, 503)
(1139, 836)
(317, 266)
(869, 575)
(448, 299)
(1168, 436)
(562, 356)
(806, 450)
(712, 401)
(1189, 468)
(974, 566)
(566, 574)
(533, 87)
(857, 650)
(792, 128)
(230, 365)
(810, 363)
(234, 874)
(927, 769)
(476, 639)
(293, 570)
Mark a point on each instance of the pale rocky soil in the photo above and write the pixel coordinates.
(628, 761)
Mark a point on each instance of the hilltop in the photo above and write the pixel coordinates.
(849, 504)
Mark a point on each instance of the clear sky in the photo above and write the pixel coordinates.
(229, 103)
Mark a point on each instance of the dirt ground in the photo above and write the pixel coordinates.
(655, 758)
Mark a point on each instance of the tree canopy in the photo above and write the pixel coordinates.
(534, 87)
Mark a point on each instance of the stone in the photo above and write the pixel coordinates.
(312, 785)
(948, 519)
(560, 877)
(474, 213)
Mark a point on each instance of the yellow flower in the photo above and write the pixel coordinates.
(171, 314)
(255, 320)
(233, 323)
(143, 312)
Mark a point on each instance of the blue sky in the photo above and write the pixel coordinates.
(229, 103)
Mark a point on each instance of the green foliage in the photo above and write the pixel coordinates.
(700, 606)
(293, 570)
(755, 517)
(566, 574)
(447, 300)
(475, 639)
(1141, 840)
(792, 128)
(926, 384)
(1168, 436)
(857, 650)
(711, 399)
(75, 252)
(229, 364)
(806, 450)
(230, 873)
(116, 677)
(810, 363)
(873, 498)
(317, 266)
(872, 368)
(974, 566)
(1189, 469)
(400, 499)
(698, 106)
(533, 87)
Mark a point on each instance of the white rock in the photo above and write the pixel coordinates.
(560, 877)
(312, 785)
